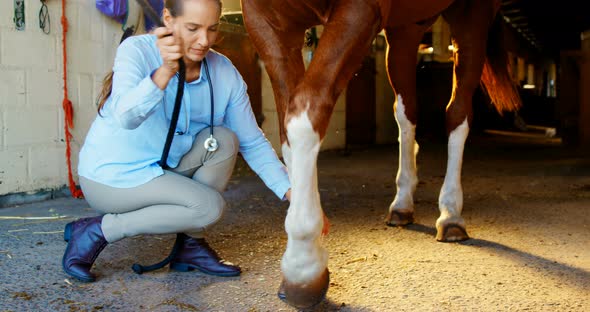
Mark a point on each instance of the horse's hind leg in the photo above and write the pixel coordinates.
(401, 68)
(469, 21)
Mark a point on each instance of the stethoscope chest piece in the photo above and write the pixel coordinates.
(211, 144)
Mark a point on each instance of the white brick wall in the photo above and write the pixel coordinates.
(43, 97)
(14, 173)
(12, 88)
(31, 127)
(32, 146)
(23, 49)
(43, 165)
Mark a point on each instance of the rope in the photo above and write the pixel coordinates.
(67, 106)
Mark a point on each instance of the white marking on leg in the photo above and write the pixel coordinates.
(450, 201)
(304, 259)
(407, 178)
(286, 150)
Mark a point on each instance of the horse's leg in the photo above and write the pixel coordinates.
(401, 68)
(342, 46)
(282, 60)
(469, 22)
(281, 52)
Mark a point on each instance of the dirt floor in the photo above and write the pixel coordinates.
(527, 208)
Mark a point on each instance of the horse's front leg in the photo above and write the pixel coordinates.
(304, 263)
(305, 276)
(338, 56)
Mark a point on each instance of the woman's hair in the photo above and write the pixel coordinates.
(175, 9)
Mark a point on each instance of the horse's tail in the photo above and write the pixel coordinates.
(495, 78)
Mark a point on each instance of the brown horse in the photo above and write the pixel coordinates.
(305, 100)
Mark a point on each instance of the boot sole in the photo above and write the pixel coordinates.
(183, 267)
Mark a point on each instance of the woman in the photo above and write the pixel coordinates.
(119, 170)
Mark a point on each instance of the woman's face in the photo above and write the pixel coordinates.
(197, 27)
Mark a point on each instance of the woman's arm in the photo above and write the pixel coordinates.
(171, 52)
(255, 148)
(137, 88)
(134, 95)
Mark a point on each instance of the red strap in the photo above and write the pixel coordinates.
(67, 107)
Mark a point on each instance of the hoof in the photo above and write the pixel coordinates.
(303, 296)
(451, 233)
(399, 218)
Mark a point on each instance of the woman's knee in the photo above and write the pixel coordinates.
(228, 141)
(209, 213)
(218, 204)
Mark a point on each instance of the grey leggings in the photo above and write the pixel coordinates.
(184, 199)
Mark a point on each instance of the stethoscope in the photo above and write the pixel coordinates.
(210, 144)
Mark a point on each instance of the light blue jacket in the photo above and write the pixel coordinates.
(123, 146)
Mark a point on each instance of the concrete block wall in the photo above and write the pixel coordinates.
(32, 142)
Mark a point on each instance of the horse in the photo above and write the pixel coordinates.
(305, 100)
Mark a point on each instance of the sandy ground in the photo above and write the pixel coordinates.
(527, 208)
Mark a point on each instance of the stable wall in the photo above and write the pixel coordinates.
(32, 143)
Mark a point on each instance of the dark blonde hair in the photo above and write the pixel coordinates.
(175, 9)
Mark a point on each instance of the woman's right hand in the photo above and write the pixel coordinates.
(170, 48)
(170, 51)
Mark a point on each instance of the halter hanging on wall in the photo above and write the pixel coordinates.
(19, 14)
(44, 20)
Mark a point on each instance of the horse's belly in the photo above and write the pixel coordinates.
(403, 12)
